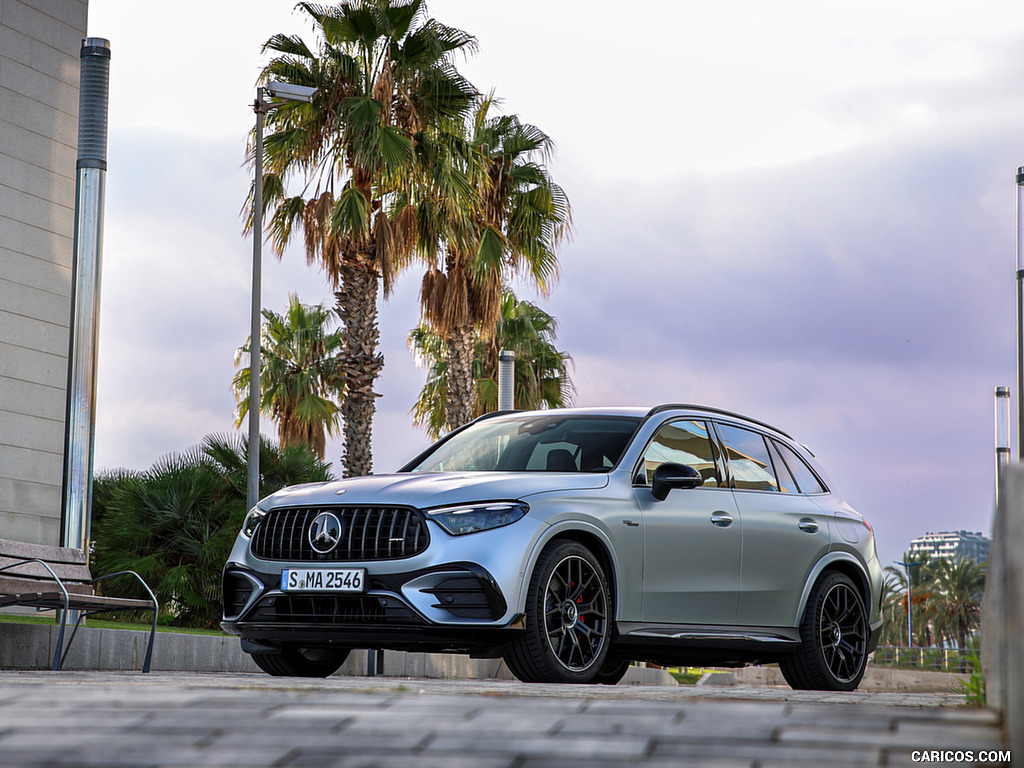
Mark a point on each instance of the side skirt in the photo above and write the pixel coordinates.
(682, 644)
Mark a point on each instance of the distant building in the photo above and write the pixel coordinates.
(952, 545)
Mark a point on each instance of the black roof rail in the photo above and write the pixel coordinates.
(691, 406)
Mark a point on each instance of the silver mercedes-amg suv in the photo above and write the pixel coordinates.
(570, 543)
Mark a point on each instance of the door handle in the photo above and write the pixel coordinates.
(807, 525)
(721, 519)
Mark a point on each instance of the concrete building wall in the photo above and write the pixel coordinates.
(40, 42)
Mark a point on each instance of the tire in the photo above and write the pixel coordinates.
(568, 624)
(612, 671)
(302, 662)
(834, 638)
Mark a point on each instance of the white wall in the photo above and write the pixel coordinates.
(40, 41)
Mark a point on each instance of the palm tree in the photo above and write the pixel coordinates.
(959, 586)
(518, 218)
(541, 370)
(385, 75)
(301, 375)
(921, 589)
(946, 600)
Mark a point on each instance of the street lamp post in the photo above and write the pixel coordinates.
(1003, 452)
(1020, 314)
(280, 93)
(910, 602)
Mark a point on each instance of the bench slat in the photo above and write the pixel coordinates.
(63, 571)
(19, 550)
(83, 602)
(11, 585)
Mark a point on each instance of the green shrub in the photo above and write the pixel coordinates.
(174, 524)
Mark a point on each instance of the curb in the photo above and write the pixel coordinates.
(31, 646)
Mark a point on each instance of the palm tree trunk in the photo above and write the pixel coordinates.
(461, 390)
(362, 363)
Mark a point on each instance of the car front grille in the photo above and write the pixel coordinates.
(367, 533)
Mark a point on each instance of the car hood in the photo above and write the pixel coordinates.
(433, 489)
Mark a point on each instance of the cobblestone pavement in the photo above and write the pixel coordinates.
(173, 719)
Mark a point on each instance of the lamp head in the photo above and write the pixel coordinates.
(289, 92)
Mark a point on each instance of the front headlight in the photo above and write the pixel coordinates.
(470, 518)
(252, 520)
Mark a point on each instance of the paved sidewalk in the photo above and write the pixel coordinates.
(167, 720)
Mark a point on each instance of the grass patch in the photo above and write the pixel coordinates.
(686, 675)
(110, 624)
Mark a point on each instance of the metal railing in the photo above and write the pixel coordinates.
(960, 660)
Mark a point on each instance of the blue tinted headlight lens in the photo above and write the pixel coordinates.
(470, 518)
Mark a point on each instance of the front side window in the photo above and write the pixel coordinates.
(750, 466)
(682, 442)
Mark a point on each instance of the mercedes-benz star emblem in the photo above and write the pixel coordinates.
(325, 532)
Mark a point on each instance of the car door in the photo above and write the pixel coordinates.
(692, 538)
(784, 531)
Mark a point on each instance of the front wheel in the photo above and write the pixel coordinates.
(302, 662)
(834, 638)
(568, 619)
(612, 671)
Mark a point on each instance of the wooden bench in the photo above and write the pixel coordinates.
(46, 577)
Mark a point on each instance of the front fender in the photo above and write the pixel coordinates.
(586, 531)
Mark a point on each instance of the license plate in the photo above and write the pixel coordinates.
(323, 579)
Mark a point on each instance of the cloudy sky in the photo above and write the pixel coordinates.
(803, 211)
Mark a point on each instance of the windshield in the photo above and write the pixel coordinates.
(555, 443)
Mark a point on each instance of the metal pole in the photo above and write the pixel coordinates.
(94, 88)
(910, 602)
(910, 612)
(252, 494)
(506, 380)
(1020, 313)
(1002, 433)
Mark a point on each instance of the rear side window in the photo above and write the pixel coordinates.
(750, 466)
(787, 484)
(807, 481)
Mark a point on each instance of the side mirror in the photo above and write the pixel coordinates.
(669, 476)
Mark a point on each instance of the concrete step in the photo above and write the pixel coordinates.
(31, 646)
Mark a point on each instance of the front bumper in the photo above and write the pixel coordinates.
(453, 607)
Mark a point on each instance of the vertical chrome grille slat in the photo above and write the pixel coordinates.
(376, 534)
(391, 532)
(405, 531)
(362, 537)
(370, 533)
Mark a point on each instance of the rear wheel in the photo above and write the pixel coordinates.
(568, 619)
(834, 634)
(302, 662)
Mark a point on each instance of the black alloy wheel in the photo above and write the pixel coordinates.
(568, 619)
(834, 631)
(302, 662)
